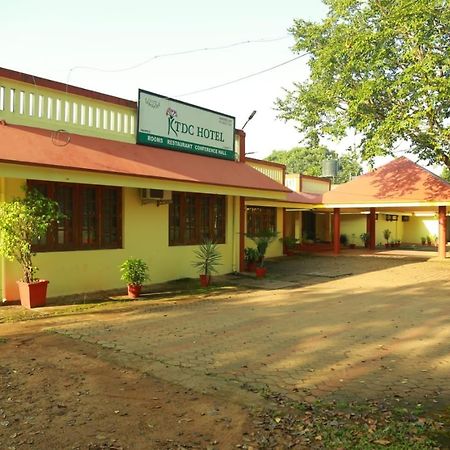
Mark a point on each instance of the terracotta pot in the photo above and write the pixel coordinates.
(134, 290)
(352, 245)
(205, 280)
(261, 272)
(386, 245)
(33, 295)
(290, 253)
(250, 267)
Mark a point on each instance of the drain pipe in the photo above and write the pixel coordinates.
(2, 263)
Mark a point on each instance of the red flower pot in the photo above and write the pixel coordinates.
(134, 290)
(204, 280)
(33, 294)
(251, 267)
(261, 272)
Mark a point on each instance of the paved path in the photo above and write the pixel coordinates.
(381, 332)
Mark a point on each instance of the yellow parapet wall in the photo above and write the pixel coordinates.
(52, 109)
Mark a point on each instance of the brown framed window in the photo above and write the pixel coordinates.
(261, 219)
(93, 216)
(193, 218)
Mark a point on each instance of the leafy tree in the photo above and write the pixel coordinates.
(308, 161)
(380, 68)
(302, 159)
(446, 174)
(349, 166)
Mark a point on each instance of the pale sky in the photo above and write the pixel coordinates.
(49, 38)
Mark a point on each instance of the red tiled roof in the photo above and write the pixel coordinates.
(400, 181)
(34, 146)
(304, 197)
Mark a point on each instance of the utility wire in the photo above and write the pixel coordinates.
(166, 55)
(242, 78)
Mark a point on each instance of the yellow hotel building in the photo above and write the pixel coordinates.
(122, 199)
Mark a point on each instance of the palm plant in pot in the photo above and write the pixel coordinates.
(387, 235)
(251, 257)
(23, 222)
(134, 273)
(208, 258)
(365, 237)
(289, 242)
(262, 241)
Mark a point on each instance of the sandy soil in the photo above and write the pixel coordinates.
(59, 394)
(190, 374)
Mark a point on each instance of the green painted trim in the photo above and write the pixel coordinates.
(183, 146)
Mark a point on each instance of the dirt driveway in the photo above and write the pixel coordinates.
(162, 376)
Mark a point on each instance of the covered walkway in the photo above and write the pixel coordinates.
(400, 188)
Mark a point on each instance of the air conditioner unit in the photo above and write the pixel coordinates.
(155, 195)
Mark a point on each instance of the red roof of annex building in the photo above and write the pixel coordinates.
(39, 147)
(400, 181)
(304, 197)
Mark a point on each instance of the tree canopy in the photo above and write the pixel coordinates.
(380, 68)
(308, 161)
(446, 174)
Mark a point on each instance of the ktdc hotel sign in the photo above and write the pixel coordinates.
(168, 123)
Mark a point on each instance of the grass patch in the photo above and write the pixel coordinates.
(179, 290)
(345, 425)
(355, 426)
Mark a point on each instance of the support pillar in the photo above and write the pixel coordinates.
(371, 228)
(337, 231)
(442, 232)
(241, 233)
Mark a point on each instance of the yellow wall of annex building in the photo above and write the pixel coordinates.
(396, 228)
(419, 227)
(355, 224)
(145, 235)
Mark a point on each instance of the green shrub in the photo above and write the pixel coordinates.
(134, 271)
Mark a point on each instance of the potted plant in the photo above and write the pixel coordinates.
(23, 222)
(208, 258)
(365, 237)
(428, 240)
(387, 235)
(262, 241)
(423, 240)
(134, 273)
(352, 243)
(251, 257)
(289, 243)
(343, 239)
